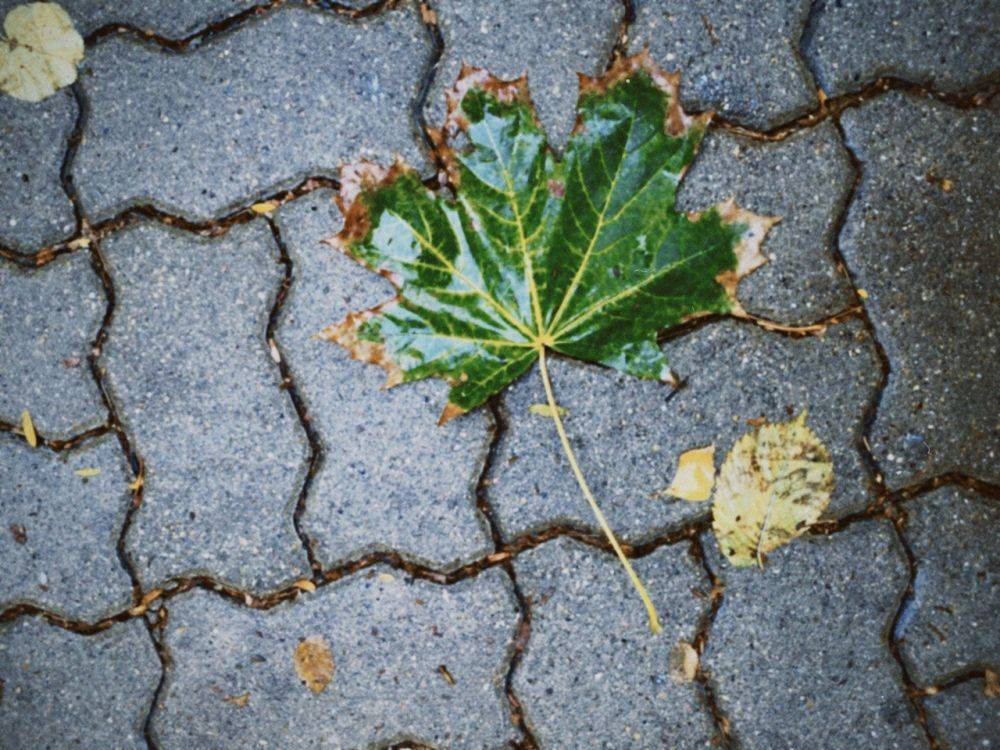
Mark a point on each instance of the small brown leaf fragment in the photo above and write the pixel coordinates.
(314, 663)
(19, 532)
(305, 584)
(28, 428)
(443, 671)
(239, 701)
(71, 362)
(683, 663)
(991, 684)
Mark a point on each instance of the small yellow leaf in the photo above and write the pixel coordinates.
(863, 294)
(947, 185)
(305, 585)
(78, 243)
(240, 701)
(544, 410)
(773, 485)
(28, 428)
(314, 663)
(264, 207)
(682, 664)
(695, 475)
(40, 52)
(87, 473)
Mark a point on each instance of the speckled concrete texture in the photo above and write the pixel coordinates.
(921, 237)
(418, 479)
(578, 38)
(66, 690)
(223, 450)
(45, 506)
(964, 717)
(390, 672)
(34, 209)
(294, 92)
(48, 318)
(950, 623)
(628, 436)
(593, 676)
(948, 45)
(804, 180)
(804, 637)
(736, 58)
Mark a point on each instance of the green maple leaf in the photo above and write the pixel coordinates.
(585, 255)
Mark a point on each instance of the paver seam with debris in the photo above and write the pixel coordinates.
(151, 605)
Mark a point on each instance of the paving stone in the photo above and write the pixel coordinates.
(389, 637)
(947, 45)
(170, 18)
(797, 651)
(34, 210)
(962, 717)
(739, 59)
(552, 41)
(294, 93)
(60, 689)
(48, 318)
(951, 623)
(59, 530)
(390, 477)
(200, 397)
(592, 674)
(804, 180)
(628, 437)
(922, 248)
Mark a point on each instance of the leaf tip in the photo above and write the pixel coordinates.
(449, 412)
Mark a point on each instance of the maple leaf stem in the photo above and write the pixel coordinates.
(654, 620)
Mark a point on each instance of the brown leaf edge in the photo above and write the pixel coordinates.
(361, 177)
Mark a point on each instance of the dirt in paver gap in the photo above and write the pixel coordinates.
(887, 505)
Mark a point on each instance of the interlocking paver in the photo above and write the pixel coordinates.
(592, 675)
(48, 318)
(921, 237)
(46, 507)
(949, 45)
(628, 437)
(34, 209)
(739, 59)
(389, 637)
(950, 623)
(390, 477)
(174, 19)
(805, 180)
(797, 650)
(60, 689)
(569, 38)
(187, 361)
(293, 93)
(963, 717)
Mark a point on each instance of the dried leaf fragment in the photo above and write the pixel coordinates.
(695, 475)
(314, 663)
(19, 533)
(87, 473)
(38, 52)
(264, 207)
(28, 428)
(683, 663)
(240, 701)
(991, 684)
(544, 410)
(305, 584)
(773, 485)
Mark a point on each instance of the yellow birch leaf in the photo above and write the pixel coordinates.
(774, 484)
(314, 663)
(39, 51)
(682, 664)
(695, 475)
(544, 410)
(87, 473)
(265, 207)
(28, 428)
